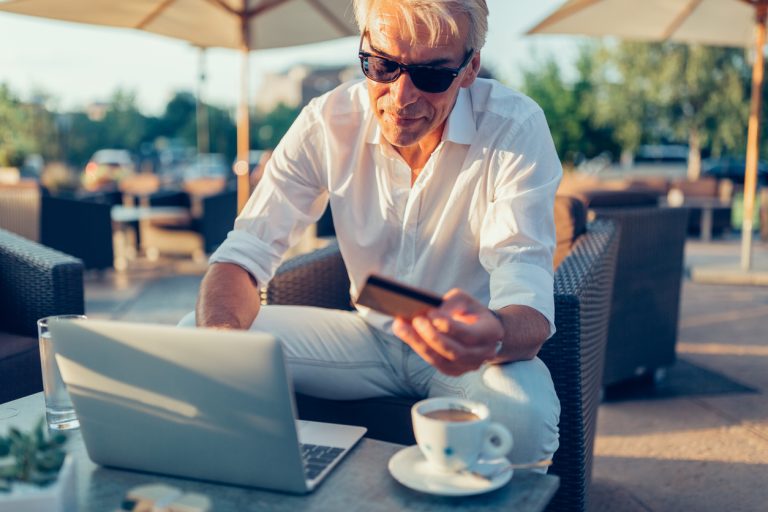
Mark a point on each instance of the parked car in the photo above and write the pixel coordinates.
(172, 161)
(662, 153)
(661, 160)
(207, 165)
(32, 166)
(733, 169)
(106, 168)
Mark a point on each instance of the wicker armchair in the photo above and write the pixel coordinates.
(642, 333)
(212, 217)
(81, 227)
(35, 282)
(583, 283)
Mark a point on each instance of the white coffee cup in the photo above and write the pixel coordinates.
(454, 433)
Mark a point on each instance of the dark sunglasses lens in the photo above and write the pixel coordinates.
(431, 80)
(380, 69)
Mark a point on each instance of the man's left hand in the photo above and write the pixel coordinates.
(455, 338)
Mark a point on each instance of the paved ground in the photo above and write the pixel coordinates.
(700, 441)
(696, 442)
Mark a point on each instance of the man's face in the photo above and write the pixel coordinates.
(405, 113)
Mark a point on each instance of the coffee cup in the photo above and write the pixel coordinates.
(454, 433)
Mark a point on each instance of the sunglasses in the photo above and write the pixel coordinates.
(426, 78)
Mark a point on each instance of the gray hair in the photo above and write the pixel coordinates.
(435, 15)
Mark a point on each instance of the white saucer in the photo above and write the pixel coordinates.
(410, 468)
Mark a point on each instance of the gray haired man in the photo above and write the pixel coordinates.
(436, 178)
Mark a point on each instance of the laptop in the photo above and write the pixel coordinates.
(206, 404)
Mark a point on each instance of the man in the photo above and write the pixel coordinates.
(434, 178)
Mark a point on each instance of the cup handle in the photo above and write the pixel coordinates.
(498, 441)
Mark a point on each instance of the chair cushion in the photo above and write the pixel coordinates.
(19, 366)
(570, 223)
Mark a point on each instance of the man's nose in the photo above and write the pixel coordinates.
(402, 90)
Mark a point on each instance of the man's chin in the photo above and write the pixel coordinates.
(402, 139)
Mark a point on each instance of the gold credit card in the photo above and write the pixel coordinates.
(396, 299)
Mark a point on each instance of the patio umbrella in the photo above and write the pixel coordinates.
(244, 25)
(708, 22)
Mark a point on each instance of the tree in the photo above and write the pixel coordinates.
(270, 128)
(569, 107)
(671, 90)
(546, 86)
(178, 120)
(124, 125)
(625, 94)
(16, 139)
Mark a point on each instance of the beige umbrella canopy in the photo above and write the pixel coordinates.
(240, 24)
(709, 22)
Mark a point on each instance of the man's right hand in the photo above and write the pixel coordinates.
(229, 298)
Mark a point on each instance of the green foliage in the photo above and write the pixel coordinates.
(124, 125)
(570, 107)
(34, 457)
(73, 137)
(667, 91)
(630, 93)
(710, 99)
(15, 139)
(269, 129)
(179, 120)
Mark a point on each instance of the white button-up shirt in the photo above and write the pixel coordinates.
(479, 216)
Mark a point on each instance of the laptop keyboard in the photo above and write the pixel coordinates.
(317, 458)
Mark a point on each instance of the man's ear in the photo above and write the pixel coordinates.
(472, 70)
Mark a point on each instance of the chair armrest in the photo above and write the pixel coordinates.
(36, 281)
(575, 354)
(318, 278)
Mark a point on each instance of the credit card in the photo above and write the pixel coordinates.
(394, 298)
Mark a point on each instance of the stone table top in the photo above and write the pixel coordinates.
(360, 482)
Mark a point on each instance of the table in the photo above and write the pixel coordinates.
(361, 482)
(123, 217)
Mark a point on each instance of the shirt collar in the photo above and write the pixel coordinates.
(460, 127)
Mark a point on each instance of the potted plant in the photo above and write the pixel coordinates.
(35, 472)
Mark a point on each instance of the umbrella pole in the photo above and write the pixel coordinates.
(753, 138)
(202, 110)
(243, 144)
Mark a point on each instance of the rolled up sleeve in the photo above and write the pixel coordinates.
(291, 195)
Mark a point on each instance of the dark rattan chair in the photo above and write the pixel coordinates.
(79, 227)
(215, 219)
(642, 335)
(35, 282)
(583, 283)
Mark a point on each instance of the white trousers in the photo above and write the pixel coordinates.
(336, 355)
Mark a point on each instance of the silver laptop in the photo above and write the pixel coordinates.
(207, 404)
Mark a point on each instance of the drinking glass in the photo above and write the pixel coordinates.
(59, 411)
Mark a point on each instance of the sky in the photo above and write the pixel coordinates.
(78, 64)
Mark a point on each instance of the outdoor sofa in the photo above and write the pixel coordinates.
(585, 260)
(35, 282)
